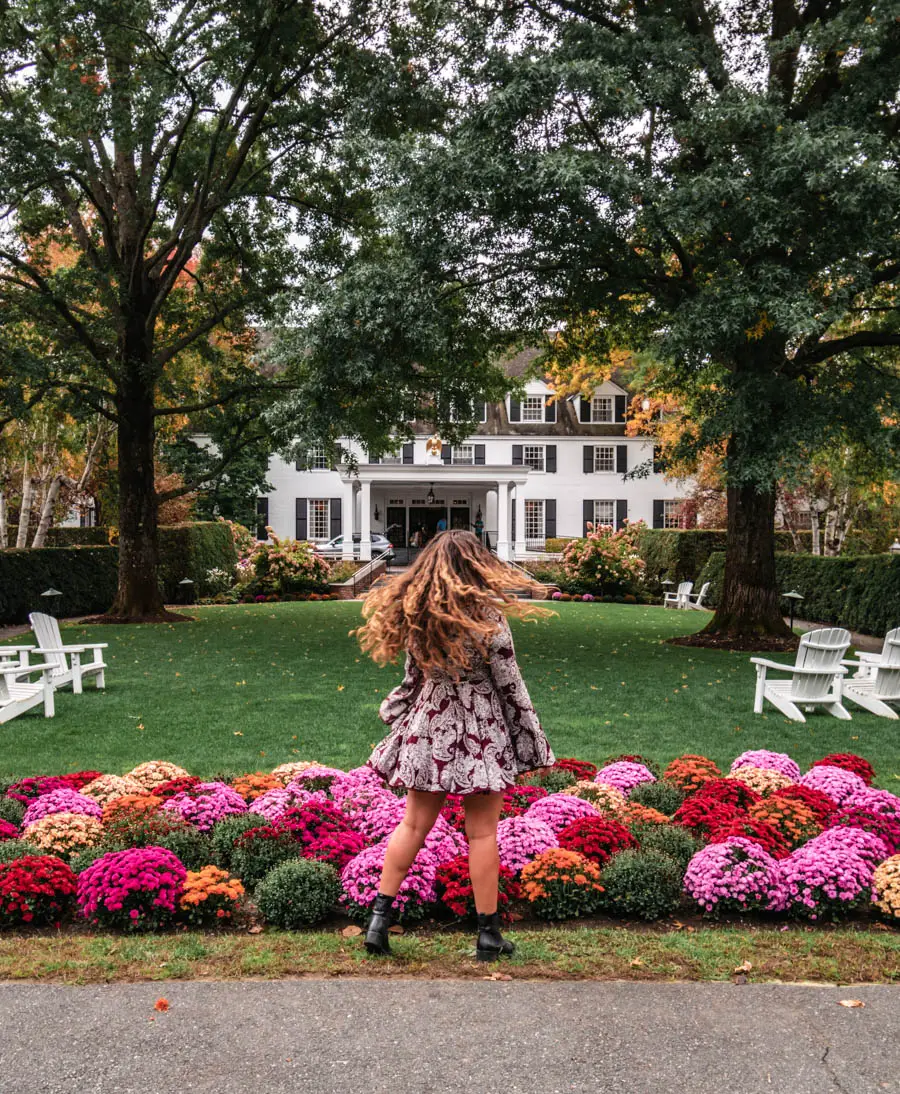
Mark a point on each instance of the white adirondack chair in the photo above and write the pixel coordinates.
(678, 599)
(68, 667)
(816, 677)
(17, 654)
(18, 693)
(695, 600)
(876, 683)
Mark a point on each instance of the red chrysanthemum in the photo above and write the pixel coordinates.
(581, 769)
(35, 889)
(879, 824)
(769, 838)
(519, 799)
(596, 838)
(455, 887)
(730, 791)
(702, 815)
(849, 761)
(180, 785)
(818, 801)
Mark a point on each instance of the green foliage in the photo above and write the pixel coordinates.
(642, 883)
(298, 893)
(87, 856)
(681, 554)
(668, 839)
(191, 550)
(11, 810)
(552, 779)
(556, 545)
(659, 795)
(86, 576)
(190, 845)
(255, 853)
(98, 536)
(224, 834)
(17, 848)
(861, 593)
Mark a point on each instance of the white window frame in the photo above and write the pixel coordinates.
(603, 417)
(611, 459)
(538, 460)
(598, 520)
(532, 408)
(317, 459)
(670, 512)
(535, 530)
(463, 455)
(318, 517)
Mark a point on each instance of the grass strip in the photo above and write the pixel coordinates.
(835, 956)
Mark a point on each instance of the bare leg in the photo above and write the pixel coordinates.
(422, 810)
(482, 817)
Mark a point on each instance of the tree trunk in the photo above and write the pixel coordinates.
(46, 518)
(4, 530)
(25, 509)
(749, 615)
(138, 596)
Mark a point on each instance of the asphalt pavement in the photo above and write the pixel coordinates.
(448, 1037)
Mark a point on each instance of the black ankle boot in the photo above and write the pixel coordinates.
(491, 943)
(377, 932)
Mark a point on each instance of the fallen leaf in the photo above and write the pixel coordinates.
(498, 976)
(254, 930)
(745, 966)
(161, 1005)
(851, 1003)
(637, 963)
(395, 929)
(351, 932)
(238, 733)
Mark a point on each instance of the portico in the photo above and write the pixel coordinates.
(404, 500)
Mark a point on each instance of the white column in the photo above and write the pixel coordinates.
(503, 544)
(520, 522)
(349, 520)
(365, 520)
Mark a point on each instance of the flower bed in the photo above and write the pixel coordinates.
(158, 847)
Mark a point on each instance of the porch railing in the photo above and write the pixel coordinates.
(366, 575)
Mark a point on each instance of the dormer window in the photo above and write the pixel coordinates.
(602, 408)
(533, 408)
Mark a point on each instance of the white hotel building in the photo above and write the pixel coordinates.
(534, 469)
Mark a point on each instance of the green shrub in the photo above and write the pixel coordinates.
(659, 795)
(557, 544)
(861, 593)
(12, 810)
(258, 851)
(668, 839)
(224, 834)
(342, 571)
(192, 550)
(606, 562)
(17, 848)
(86, 576)
(98, 536)
(552, 779)
(190, 845)
(298, 893)
(81, 860)
(646, 884)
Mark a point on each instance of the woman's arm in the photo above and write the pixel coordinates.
(399, 701)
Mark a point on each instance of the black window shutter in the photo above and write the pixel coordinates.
(550, 457)
(621, 512)
(622, 458)
(550, 518)
(408, 452)
(262, 518)
(657, 463)
(588, 459)
(549, 409)
(300, 507)
(621, 403)
(335, 517)
(301, 465)
(584, 414)
(587, 513)
(518, 456)
(479, 454)
(446, 453)
(515, 410)
(513, 522)
(479, 411)
(659, 519)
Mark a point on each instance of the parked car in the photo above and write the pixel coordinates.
(334, 548)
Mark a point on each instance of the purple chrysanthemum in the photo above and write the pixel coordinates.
(61, 801)
(205, 804)
(838, 783)
(773, 761)
(521, 839)
(624, 775)
(735, 875)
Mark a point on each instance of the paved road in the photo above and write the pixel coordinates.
(448, 1037)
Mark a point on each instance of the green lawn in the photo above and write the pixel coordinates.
(248, 687)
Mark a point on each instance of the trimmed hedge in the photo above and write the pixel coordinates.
(98, 536)
(861, 593)
(680, 554)
(87, 576)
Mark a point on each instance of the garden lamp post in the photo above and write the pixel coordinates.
(895, 547)
(186, 587)
(794, 597)
(53, 599)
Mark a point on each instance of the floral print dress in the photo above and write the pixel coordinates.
(462, 736)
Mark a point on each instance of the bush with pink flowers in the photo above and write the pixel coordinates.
(206, 804)
(838, 783)
(774, 761)
(849, 761)
(521, 839)
(8, 831)
(361, 876)
(61, 801)
(138, 889)
(824, 883)
(875, 801)
(624, 775)
(886, 828)
(736, 875)
(558, 810)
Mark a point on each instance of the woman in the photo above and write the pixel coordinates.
(461, 721)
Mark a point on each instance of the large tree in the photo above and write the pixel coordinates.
(716, 182)
(196, 161)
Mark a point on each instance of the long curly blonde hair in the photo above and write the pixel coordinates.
(446, 607)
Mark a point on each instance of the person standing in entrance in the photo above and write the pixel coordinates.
(441, 525)
(461, 722)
